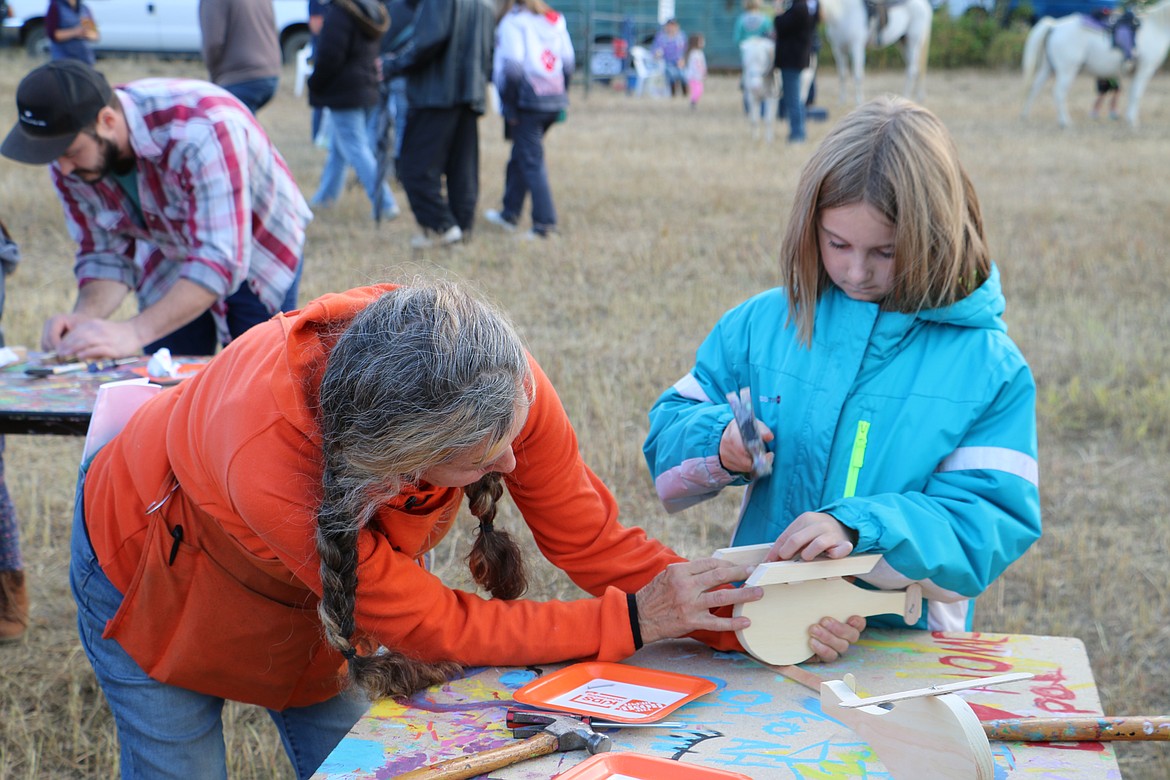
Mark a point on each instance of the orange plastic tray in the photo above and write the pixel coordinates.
(635, 766)
(615, 692)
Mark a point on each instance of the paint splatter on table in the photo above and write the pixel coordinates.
(60, 404)
(756, 722)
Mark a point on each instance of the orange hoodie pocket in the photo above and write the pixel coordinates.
(203, 613)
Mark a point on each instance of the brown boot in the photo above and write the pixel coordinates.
(13, 606)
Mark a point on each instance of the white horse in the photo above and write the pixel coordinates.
(761, 84)
(849, 28)
(1070, 44)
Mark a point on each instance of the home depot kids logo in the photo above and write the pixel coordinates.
(609, 701)
(599, 700)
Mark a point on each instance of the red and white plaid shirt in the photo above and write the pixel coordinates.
(219, 206)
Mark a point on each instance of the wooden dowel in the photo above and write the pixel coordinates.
(1133, 728)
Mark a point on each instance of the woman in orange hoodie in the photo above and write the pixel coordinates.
(265, 523)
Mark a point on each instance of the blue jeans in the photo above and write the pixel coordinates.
(793, 103)
(10, 559)
(254, 93)
(169, 732)
(398, 109)
(527, 173)
(675, 76)
(244, 310)
(352, 144)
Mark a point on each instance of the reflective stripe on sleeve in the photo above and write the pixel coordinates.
(943, 616)
(1003, 459)
(689, 387)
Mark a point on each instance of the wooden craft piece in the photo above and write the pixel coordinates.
(745, 555)
(928, 737)
(797, 570)
(937, 690)
(780, 572)
(798, 594)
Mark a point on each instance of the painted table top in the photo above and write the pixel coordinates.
(756, 722)
(60, 404)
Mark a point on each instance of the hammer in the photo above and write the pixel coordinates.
(562, 734)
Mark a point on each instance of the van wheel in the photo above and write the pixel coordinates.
(293, 42)
(36, 43)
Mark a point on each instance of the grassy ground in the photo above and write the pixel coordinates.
(670, 216)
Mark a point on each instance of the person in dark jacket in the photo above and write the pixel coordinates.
(795, 30)
(448, 62)
(345, 81)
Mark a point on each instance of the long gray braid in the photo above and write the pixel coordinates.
(422, 375)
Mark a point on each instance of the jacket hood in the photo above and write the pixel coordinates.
(371, 15)
(983, 308)
(310, 334)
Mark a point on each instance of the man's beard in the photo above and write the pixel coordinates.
(111, 163)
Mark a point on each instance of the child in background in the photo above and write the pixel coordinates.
(1109, 87)
(532, 64)
(13, 589)
(899, 414)
(696, 68)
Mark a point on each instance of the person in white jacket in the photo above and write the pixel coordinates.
(531, 68)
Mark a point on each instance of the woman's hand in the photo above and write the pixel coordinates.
(830, 638)
(680, 598)
(733, 455)
(810, 535)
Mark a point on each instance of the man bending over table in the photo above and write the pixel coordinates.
(171, 190)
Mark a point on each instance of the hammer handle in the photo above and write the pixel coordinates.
(1090, 729)
(485, 761)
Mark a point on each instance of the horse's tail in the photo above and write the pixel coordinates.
(1034, 45)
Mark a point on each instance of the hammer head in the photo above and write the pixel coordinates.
(574, 734)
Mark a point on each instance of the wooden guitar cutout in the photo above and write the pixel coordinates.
(798, 594)
(927, 734)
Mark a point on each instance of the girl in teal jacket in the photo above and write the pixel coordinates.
(898, 415)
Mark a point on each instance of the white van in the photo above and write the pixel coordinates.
(148, 26)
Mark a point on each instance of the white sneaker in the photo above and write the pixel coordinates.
(532, 235)
(497, 219)
(389, 213)
(430, 238)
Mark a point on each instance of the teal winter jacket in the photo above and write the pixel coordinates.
(918, 431)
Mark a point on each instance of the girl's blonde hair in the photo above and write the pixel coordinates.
(898, 158)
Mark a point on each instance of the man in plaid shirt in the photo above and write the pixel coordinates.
(171, 189)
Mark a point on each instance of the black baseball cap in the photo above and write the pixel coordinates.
(53, 104)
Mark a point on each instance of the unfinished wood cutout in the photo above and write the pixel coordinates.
(938, 690)
(798, 594)
(744, 555)
(927, 737)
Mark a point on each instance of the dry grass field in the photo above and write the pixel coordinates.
(668, 218)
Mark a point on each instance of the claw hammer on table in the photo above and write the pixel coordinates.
(562, 734)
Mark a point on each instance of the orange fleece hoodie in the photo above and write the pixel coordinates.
(242, 441)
